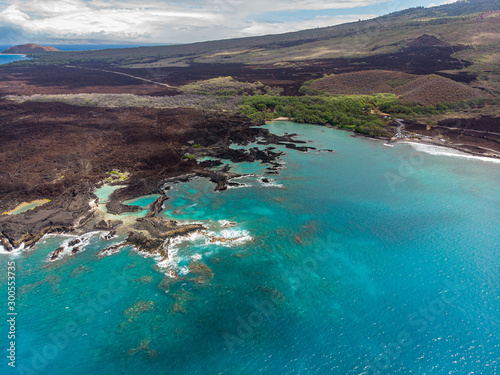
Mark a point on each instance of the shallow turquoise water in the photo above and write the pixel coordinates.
(142, 201)
(367, 260)
(25, 208)
(103, 193)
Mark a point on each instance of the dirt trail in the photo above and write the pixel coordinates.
(469, 130)
(125, 74)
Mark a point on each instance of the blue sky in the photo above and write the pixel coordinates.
(170, 21)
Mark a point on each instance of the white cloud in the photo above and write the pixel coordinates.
(441, 3)
(262, 28)
(163, 21)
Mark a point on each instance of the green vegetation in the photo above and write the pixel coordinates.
(346, 112)
(360, 113)
(228, 86)
(117, 176)
(354, 112)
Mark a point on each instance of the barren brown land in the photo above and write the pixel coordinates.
(61, 152)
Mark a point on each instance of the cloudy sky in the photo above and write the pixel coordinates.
(178, 21)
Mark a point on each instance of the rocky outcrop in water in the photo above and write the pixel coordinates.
(145, 244)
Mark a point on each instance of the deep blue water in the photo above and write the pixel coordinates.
(367, 260)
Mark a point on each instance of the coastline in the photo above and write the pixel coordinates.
(27, 228)
(416, 138)
(487, 155)
(284, 229)
(82, 212)
(457, 152)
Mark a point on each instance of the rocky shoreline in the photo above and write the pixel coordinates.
(476, 137)
(76, 210)
(73, 207)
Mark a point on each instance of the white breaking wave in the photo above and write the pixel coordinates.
(183, 271)
(229, 237)
(226, 223)
(174, 258)
(225, 237)
(272, 183)
(239, 186)
(243, 184)
(444, 151)
(14, 253)
(196, 256)
(84, 242)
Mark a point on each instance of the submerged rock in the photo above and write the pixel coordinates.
(203, 272)
(144, 346)
(136, 310)
(144, 279)
(169, 280)
(182, 297)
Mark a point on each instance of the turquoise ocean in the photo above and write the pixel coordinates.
(5, 59)
(368, 260)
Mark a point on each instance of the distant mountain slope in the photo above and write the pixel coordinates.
(459, 41)
(467, 22)
(29, 48)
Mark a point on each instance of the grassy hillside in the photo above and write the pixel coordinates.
(423, 90)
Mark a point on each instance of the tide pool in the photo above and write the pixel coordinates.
(26, 206)
(142, 201)
(369, 260)
(104, 192)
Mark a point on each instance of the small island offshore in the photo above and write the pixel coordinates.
(28, 48)
(323, 201)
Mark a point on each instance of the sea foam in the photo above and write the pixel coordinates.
(444, 151)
